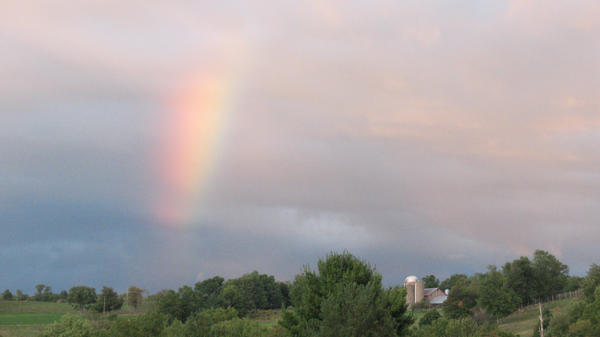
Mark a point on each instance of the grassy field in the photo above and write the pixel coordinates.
(35, 307)
(21, 330)
(28, 318)
(524, 322)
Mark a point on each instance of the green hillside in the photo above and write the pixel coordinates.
(523, 323)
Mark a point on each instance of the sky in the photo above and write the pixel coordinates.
(160, 143)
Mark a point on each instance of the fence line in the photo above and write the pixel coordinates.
(557, 297)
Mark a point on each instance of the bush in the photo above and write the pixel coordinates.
(151, 324)
(200, 323)
(72, 326)
(237, 328)
(429, 317)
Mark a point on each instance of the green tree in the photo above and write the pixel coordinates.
(521, 278)
(233, 296)
(135, 296)
(452, 280)
(495, 297)
(460, 302)
(39, 288)
(167, 304)
(573, 283)
(357, 310)
(345, 297)
(430, 281)
(82, 296)
(47, 295)
(209, 291)
(188, 302)
(551, 274)
(63, 295)
(20, 296)
(108, 300)
(252, 291)
(7, 295)
(284, 288)
(591, 282)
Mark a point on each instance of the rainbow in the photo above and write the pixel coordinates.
(193, 128)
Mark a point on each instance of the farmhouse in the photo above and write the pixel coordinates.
(417, 293)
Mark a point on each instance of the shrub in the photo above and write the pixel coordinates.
(429, 317)
(72, 326)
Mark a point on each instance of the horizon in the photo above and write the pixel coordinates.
(161, 144)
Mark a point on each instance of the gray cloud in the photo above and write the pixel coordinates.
(426, 138)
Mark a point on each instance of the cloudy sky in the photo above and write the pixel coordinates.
(162, 143)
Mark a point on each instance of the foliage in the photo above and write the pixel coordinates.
(583, 318)
(460, 302)
(200, 324)
(559, 326)
(237, 328)
(430, 281)
(246, 294)
(252, 291)
(179, 305)
(82, 296)
(430, 316)
(134, 296)
(234, 296)
(520, 277)
(573, 283)
(20, 296)
(452, 280)
(345, 298)
(547, 315)
(550, 273)
(495, 296)
(108, 300)
(7, 295)
(591, 282)
(466, 327)
(538, 279)
(72, 326)
(151, 324)
(44, 294)
(209, 291)
(167, 304)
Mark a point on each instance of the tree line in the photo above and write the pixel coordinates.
(501, 291)
(247, 293)
(343, 296)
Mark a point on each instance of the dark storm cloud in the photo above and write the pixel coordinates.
(425, 138)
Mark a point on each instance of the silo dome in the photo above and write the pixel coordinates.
(411, 279)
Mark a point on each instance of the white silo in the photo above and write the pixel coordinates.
(414, 290)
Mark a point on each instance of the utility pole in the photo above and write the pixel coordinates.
(105, 306)
(541, 322)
